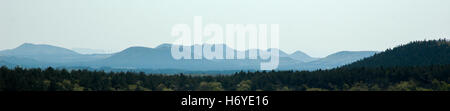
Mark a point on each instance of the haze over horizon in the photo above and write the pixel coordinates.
(316, 27)
(100, 51)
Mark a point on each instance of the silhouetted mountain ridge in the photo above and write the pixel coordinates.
(417, 53)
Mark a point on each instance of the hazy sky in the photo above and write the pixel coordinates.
(317, 27)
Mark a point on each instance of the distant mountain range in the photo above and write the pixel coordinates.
(159, 59)
(50, 54)
(301, 56)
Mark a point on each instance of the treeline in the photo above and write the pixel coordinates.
(417, 53)
(424, 78)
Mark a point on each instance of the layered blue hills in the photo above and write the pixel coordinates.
(159, 59)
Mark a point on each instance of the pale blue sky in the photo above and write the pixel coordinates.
(317, 27)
